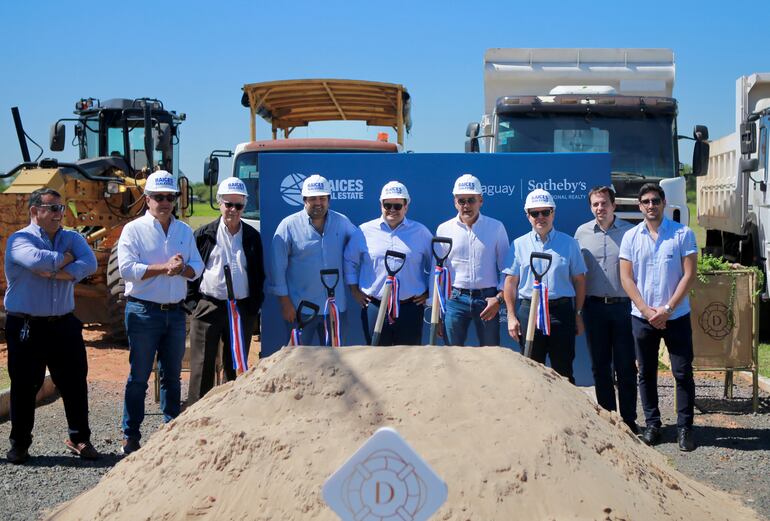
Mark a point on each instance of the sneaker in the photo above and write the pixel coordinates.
(651, 435)
(17, 455)
(685, 439)
(84, 449)
(130, 445)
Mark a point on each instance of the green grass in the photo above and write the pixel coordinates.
(204, 210)
(5, 381)
(764, 360)
(700, 233)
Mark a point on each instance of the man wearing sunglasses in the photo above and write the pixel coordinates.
(658, 261)
(305, 243)
(564, 282)
(608, 308)
(226, 241)
(156, 258)
(43, 262)
(366, 273)
(476, 262)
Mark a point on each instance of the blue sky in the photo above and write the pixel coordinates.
(195, 57)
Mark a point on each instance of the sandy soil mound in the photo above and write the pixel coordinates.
(511, 439)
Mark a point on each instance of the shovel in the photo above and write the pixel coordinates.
(237, 348)
(296, 333)
(386, 293)
(535, 299)
(437, 302)
(333, 331)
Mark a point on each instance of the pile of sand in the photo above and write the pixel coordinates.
(511, 439)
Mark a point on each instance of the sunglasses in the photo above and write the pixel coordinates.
(237, 206)
(463, 202)
(393, 206)
(537, 213)
(55, 208)
(160, 198)
(655, 201)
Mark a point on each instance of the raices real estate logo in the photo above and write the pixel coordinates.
(291, 189)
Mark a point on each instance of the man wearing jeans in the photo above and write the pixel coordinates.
(475, 262)
(156, 257)
(607, 310)
(658, 259)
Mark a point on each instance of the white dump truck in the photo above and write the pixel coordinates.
(591, 100)
(733, 202)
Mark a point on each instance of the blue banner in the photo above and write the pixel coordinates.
(358, 178)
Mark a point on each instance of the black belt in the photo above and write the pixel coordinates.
(609, 300)
(553, 301)
(473, 292)
(163, 307)
(33, 318)
(218, 301)
(377, 301)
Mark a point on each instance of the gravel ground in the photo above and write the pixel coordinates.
(733, 451)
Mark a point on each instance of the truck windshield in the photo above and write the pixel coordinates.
(640, 144)
(246, 170)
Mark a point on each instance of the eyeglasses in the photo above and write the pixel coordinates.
(538, 213)
(160, 197)
(463, 202)
(393, 206)
(55, 208)
(237, 206)
(655, 201)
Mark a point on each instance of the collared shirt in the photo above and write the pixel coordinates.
(300, 253)
(658, 264)
(30, 250)
(227, 251)
(477, 257)
(365, 257)
(566, 262)
(600, 253)
(142, 243)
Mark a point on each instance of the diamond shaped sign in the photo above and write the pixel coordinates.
(385, 480)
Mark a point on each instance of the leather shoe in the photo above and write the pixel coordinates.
(130, 445)
(685, 439)
(651, 435)
(84, 449)
(17, 455)
(633, 426)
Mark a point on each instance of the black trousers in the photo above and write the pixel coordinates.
(406, 330)
(559, 346)
(210, 325)
(678, 338)
(58, 344)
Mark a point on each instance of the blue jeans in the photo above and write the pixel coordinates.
(461, 309)
(152, 330)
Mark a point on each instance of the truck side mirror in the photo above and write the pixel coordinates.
(748, 165)
(472, 132)
(700, 133)
(210, 171)
(57, 137)
(700, 158)
(748, 138)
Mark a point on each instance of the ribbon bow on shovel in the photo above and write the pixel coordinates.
(442, 285)
(237, 347)
(390, 301)
(538, 311)
(296, 334)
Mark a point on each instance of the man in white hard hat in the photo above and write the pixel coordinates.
(564, 284)
(156, 258)
(226, 241)
(305, 243)
(366, 273)
(475, 262)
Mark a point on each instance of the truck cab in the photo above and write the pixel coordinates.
(615, 101)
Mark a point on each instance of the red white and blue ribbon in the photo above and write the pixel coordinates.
(332, 314)
(543, 313)
(393, 299)
(296, 337)
(240, 364)
(444, 285)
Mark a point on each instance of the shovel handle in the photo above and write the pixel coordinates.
(434, 313)
(314, 313)
(539, 255)
(441, 241)
(531, 323)
(328, 273)
(395, 255)
(381, 315)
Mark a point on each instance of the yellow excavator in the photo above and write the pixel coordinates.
(120, 142)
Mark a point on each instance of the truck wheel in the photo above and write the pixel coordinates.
(116, 327)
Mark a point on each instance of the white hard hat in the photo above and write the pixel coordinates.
(316, 185)
(394, 190)
(467, 184)
(232, 186)
(539, 198)
(161, 181)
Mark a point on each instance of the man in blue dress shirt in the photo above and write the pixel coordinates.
(43, 262)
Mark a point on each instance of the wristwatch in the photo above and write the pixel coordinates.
(579, 312)
(500, 299)
(668, 309)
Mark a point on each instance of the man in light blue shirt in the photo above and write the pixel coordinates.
(43, 262)
(305, 243)
(366, 274)
(658, 262)
(565, 282)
